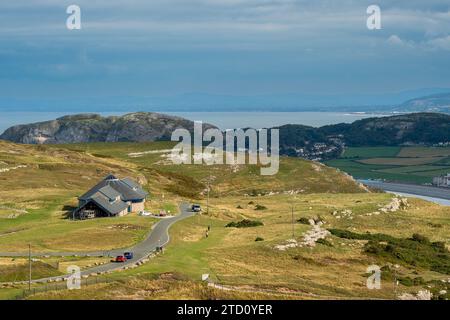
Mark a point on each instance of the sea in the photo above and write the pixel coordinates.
(223, 120)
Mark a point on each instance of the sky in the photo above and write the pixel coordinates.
(131, 50)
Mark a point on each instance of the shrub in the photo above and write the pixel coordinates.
(416, 251)
(325, 242)
(244, 224)
(98, 155)
(373, 247)
(260, 207)
(387, 273)
(259, 239)
(239, 207)
(439, 246)
(303, 220)
(420, 238)
(409, 282)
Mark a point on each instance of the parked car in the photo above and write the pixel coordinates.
(145, 213)
(196, 208)
(128, 255)
(121, 259)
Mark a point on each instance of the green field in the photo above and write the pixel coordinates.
(407, 164)
(371, 152)
(36, 197)
(232, 257)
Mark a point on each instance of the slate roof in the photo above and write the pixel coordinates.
(111, 194)
(113, 207)
(111, 186)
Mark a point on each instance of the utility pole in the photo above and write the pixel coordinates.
(395, 281)
(207, 201)
(293, 234)
(292, 217)
(29, 263)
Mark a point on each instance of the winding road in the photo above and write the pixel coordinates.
(158, 236)
(430, 193)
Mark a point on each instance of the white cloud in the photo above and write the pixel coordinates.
(395, 40)
(442, 43)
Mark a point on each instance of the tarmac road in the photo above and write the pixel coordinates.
(158, 236)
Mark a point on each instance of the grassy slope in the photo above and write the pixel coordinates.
(52, 176)
(47, 188)
(231, 256)
(294, 173)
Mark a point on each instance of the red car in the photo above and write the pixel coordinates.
(121, 259)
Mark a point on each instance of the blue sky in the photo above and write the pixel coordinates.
(164, 48)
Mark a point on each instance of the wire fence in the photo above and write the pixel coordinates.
(91, 280)
(59, 286)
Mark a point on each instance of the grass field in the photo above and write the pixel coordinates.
(17, 269)
(40, 185)
(46, 180)
(408, 164)
(371, 152)
(253, 269)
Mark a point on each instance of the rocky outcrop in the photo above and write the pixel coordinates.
(309, 238)
(132, 127)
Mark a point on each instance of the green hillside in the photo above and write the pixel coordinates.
(39, 185)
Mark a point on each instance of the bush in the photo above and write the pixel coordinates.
(325, 242)
(244, 224)
(420, 238)
(259, 239)
(439, 246)
(303, 220)
(409, 282)
(373, 247)
(239, 207)
(260, 207)
(98, 155)
(416, 251)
